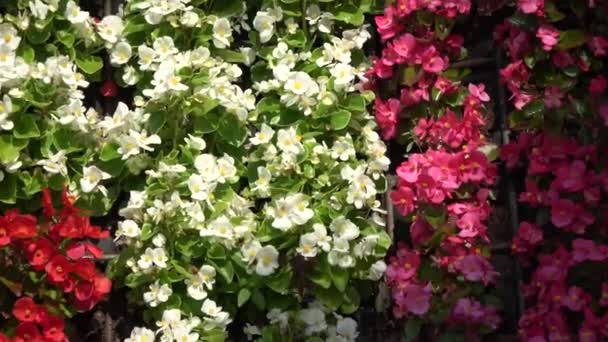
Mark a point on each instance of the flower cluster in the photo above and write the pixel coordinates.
(443, 189)
(555, 75)
(53, 261)
(35, 323)
(261, 167)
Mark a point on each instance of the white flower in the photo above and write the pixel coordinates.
(249, 55)
(323, 240)
(250, 251)
(159, 258)
(195, 142)
(344, 228)
(251, 331)
(204, 278)
(121, 53)
(55, 163)
(263, 136)
(73, 13)
(159, 240)
(199, 189)
(9, 36)
(262, 184)
(130, 75)
(301, 213)
(146, 260)
(157, 294)
(164, 47)
(110, 28)
(339, 255)
(147, 56)
(6, 107)
(217, 317)
(376, 271)
(307, 246)
(281, 72)
(128, 228)
(91, 176)
(189, 19)
(39, 9)
(141, 335)
(225, 168)
(345, 330)
(171, 318)
(7, 57)
(220, 227)
(133, 210)
(280, 214)
(206, 165)
(141, 140)
(222, 32)
(314, 318)
(288, 141)
(300, 83)
(277, 316)
(343, 73)
(343, 148)
(264, 24)
(267, 260)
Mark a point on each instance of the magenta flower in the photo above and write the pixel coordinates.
(479, 92)
(405, 45)
(571, 178)
(476, 268)
(531, 6)
(418, 298)
(387, 24)
(576, 298)
(553, 97)
(549, 35)
(563, 212)
(387, 116)
(403, 198)
(598, 85)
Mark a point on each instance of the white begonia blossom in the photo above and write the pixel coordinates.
(189, 19)
(262, 184)
(323, 240)
(267, 260)
(164, 47)
(225, 168)
(288, 141)
(55, 164)
(147, 56)
(251, 330)
(157, 294)
(250, 250)
(276, 316)
(308, 245)
(202, 281)
(110, 28)
(9, 36)
(159, 258)
(73, 13)
(221, 227)
(199, 189)
(159, 240)
(131, 144)
(222, 33)
(134, 207)
(290, 211)
(7, 56)
(344, 331)
(121, 53)
(128, 228)
(215, 316)
(248, 54)
(281, 72)
(6, 107)
(263, 136)
(170, 318)
(206, 165)
(314, 318)
(39, 9)
(300, 83)
(339, 255)
(366, 246)
(264, 23)
(196, 143)
(343, 73)
(91, 176)
(141, 335)
(344, 228)
(130, 75)
(343, 148)
(376, 271)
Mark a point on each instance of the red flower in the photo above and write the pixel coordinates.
(27, 332)
(598, 85)
(403, 198)
(39, 253)
(85, 269)
(387, 116)
(25, 310)
(5, 238)
(58, 269)
(20, 226)
(47, 204)
(109, 89)
(52, 329)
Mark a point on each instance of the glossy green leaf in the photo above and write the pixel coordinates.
(340, 119)
(25, 127)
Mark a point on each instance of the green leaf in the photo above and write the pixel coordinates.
(216, 252)
(258, 299)
(290, 117)
(147, 231)
(279, 282)
(269, 104)
(452, 337)
(350, 301)
(339, 277)
(208, 123)
(552, 12)
(243, 297)
(156, 121)
(356, 104)
(229, 55)
(109, 151)
(412, 328)
(330, 298)
(232, 130)
(27, 53)
(490, 150)
(340, 120)
(8, 189)
(66, 38)
(571, 38)
(26, 127)
(89, 64)
(227, 272)
(37, 37)
(227, 8)
(10, 147)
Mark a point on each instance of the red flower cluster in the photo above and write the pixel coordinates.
(35, 324)
(57, 248)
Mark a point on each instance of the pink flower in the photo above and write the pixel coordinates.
(418, 298)
(530, 233)
(553, 97)
(433, 62)
(409, 170)
(562, 59)
(549, 35)
(533, 195)
(405, 45)
(420, 231)
(598, 85)
(576, 298)
(571, 178)
(475, 268)
(510, 154)
(599, 46)
(387, 25)
(405, 7)
(403, 198)
(515, 74)
(387, 116)
(583, 250)
(562, 212)
(479, 92)
(531, 6)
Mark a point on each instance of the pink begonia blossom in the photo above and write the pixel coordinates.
(403, 198)
(549, 35)
(553, 97)
(598, 85)
(563, 212)
(433, 62)
(531, 6)
(420, 232)
(533, 196)
(387, 25)
(387, 116)
(571, 178)
(405, 45)
(583, 250)
(576, 298)
(470, 312)
(476, 268)
(418, 298)
(599, 46)
(479, 92)
(562, 59)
